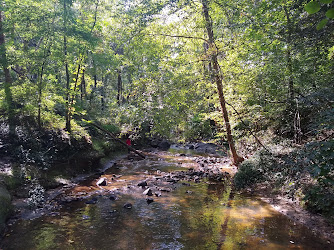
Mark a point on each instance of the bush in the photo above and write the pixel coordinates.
(319, 198)
(198, 128)
(248, 174)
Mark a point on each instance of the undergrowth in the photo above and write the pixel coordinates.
(305, 174)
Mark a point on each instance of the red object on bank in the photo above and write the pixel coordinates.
(128, 142)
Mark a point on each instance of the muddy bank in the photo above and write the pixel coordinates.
(292, 209)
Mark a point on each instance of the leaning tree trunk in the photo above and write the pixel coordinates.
(8, 79)
(216, 76)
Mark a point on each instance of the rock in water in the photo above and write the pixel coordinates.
(102, 182)
(113, 197)
(91, 201)
(148, 192)
(149, 200)
(127, 205)
(164, 145)
(142, 184)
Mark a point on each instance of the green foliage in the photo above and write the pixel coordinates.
(199, 128)
(319, 198)
(322, 24)
(248, 174)
(330, 13)
(312, 7)
(321, 161)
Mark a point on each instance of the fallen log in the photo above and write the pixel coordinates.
(116, 139)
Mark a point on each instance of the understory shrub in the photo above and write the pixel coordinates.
(248, 174)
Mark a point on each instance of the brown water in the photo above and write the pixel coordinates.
(200, 216)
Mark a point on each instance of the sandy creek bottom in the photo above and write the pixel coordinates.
(184, 214)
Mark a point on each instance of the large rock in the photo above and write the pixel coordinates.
(209, 148)
(164, 145)
(5, 206)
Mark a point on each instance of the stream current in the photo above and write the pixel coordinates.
(185, 211)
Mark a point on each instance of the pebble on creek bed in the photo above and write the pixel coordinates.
(127, 205)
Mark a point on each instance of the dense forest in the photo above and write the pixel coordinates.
(254, 77)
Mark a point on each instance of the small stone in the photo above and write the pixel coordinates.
(189, 192)
(91, 201)
(127, 205)
(157, 194)
(148, 192)
(149, 200)
(142, 184)
(165, 190)
(102, 182)
(112, 197)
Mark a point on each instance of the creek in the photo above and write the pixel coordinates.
(192, 206)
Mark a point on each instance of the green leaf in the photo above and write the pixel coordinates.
(312, 7)
(330, 13)
(322, 24)
(326, 1)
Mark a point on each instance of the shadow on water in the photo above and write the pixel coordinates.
(192, 216)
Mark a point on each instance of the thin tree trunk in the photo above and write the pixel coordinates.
(115, 138)
(217, 78)
(119, 87)
(8, 79)
(67, 98)
(288, 57)
(75, 84)
(83, 86)
(40, 97)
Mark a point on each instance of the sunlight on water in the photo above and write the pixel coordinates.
(199, 216)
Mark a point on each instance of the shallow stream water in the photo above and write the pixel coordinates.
(183, 215)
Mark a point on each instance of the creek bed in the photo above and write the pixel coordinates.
(184, 214)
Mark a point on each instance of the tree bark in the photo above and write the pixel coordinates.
(83, 86)
(8, 79)
(288, 57)
(40, 82)
(216, 76)
(119, 87)
(67, 97)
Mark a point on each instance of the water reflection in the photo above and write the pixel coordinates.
(199, 216)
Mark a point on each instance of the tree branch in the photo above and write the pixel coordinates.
(250, 131)
(179, 36)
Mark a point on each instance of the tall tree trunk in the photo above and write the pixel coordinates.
(40, 82)
(67, 98)
(8, 79)
(288, 57)
(119, 87)
(83, 88)
(216, 76)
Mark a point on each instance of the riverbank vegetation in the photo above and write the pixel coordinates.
(253, 76)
